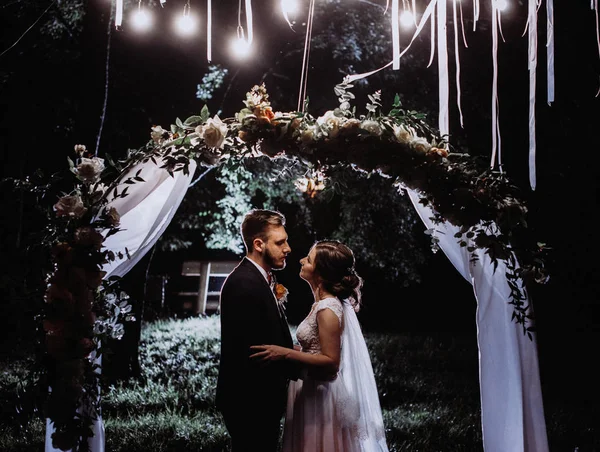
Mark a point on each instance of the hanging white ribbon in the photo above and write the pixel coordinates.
(395, 36)
(462, 24)
(495, 128)
(284, 11)
(532, 66)
(550, 49)
(414, 11)
(595, 8)
(119, 13)
(457, 61)
(248, 9)
(426, 15)
(209, 30)
(443, 85)
(475, 13)
(432, 38)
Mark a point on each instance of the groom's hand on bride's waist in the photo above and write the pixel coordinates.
(269, 353)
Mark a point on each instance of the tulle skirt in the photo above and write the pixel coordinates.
(322, 416)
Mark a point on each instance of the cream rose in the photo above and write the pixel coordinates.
(88, 236)
(89, 170)
(372, 127)
(308, 134)
(113, 217)
(158, 134)
(420, 144)
(70, 206)
(404, 134)
(330, 123)
(351, 123)
(214, 133)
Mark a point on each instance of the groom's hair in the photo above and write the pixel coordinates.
(256, 225)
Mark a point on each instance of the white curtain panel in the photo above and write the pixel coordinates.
(512, 412)
(145, 213)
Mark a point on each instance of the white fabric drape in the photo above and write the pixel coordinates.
(356, 372)
(96, 442)
(145, 214)
(512, 412)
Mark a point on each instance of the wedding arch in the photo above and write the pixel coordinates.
(118, 210)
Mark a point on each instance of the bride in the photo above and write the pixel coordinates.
(335, 406)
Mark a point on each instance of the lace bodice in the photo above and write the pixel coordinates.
(307, 332)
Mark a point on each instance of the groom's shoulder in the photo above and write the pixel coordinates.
(244, 271)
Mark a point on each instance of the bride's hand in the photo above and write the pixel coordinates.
(269, 352)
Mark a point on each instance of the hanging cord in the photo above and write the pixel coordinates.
(304, 76)
(206, 171)
(29, 29)
(103, 115)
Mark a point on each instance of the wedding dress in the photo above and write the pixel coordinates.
(343, 415)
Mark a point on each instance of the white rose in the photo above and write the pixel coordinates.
(158, 134)
(80, 149)
(372, 127)
(195, 136)
(308, 134)
(89, 170)
(420, 144)
(351, 123)
(404, 134)
(71, 206)
(330, 122)
(113, 217)
(214, 133)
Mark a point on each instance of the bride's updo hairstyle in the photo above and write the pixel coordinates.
(334, 263)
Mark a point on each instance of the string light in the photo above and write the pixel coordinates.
(502, 5)
(141, 20)
(407, 19)
(240, 46)
(186, 23)
(289, 7)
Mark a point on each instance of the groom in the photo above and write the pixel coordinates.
(252, 398)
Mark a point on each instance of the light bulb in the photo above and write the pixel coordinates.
(502, 5)
(407, 19)
(289, 6)
(240, 48)
(186, 24)
(141, 20)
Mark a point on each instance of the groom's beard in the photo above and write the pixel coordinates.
(272, 262)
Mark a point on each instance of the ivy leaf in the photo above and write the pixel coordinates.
(193, 121)
(204, 113)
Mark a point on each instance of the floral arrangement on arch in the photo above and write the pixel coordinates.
(400, 145)
(82, 310)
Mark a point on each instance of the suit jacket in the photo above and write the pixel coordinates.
(249, 316)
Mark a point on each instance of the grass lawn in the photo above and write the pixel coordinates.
(428, 386)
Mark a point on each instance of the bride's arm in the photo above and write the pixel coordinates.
(326, 362)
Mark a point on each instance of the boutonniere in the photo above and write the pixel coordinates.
(281, 294)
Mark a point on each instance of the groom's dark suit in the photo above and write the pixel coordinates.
(251, 396)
